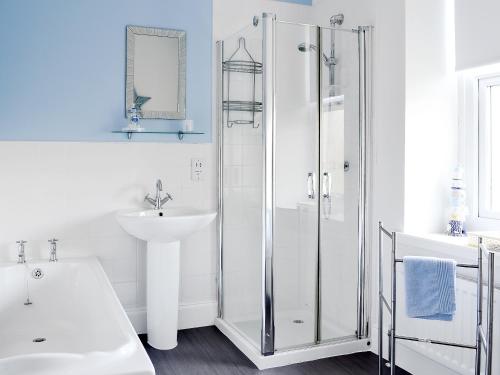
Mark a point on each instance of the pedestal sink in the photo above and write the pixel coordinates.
(163, 229)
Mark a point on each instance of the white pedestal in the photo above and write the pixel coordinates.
(163, 294)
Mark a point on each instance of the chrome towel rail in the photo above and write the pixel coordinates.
(484, 338)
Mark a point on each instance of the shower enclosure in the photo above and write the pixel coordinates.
(292, 119)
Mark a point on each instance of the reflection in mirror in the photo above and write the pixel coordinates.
(156, 72)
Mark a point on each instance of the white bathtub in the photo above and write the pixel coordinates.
(76, 310)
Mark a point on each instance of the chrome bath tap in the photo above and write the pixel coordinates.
(157, 202)
(21, 254)
(53, 250)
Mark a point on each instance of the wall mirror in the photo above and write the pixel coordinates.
(156, 72)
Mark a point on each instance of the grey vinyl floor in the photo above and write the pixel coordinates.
(204, 351)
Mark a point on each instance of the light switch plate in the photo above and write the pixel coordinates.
(197, 169)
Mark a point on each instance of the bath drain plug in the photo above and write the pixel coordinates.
(298, 321)
(39, 339)
(37, 273)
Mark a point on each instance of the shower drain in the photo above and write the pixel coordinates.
(298, 321)
(39, 339)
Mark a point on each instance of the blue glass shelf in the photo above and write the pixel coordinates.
(180, 133)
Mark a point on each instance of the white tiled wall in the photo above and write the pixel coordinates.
(242, 222)
(71, 191)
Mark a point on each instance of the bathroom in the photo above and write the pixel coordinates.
(297, 139)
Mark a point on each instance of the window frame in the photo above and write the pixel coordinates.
(484, 147)
(468, 141)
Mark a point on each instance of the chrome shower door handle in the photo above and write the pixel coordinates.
(326, 185)
(310, 185)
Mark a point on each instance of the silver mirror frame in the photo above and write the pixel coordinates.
(129, 91)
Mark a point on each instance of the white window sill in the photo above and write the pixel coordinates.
(438, 240)
(463, 248)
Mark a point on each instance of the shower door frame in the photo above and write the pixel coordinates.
(269, 194)
(269, 130)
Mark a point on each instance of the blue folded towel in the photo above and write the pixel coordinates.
(430, 287)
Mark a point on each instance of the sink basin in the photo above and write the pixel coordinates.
(166, 225)
(163, 230)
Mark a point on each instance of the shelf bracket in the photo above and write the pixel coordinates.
(180, 133)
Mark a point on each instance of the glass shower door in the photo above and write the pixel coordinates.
(295, 245)
(291, 185)
(241, 184)
(340, 187)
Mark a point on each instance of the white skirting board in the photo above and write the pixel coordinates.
(191, 315)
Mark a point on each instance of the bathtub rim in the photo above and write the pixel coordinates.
(132, 350)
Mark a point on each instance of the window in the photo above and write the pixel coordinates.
(489, 147)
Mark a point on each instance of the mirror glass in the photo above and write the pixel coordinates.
(156, 72)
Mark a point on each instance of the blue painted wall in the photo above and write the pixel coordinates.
(62, 67)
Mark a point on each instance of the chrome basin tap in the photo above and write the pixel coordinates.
(21, 254)
(157, 202)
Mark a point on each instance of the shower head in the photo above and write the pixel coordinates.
(306, 47)
(337, 19)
